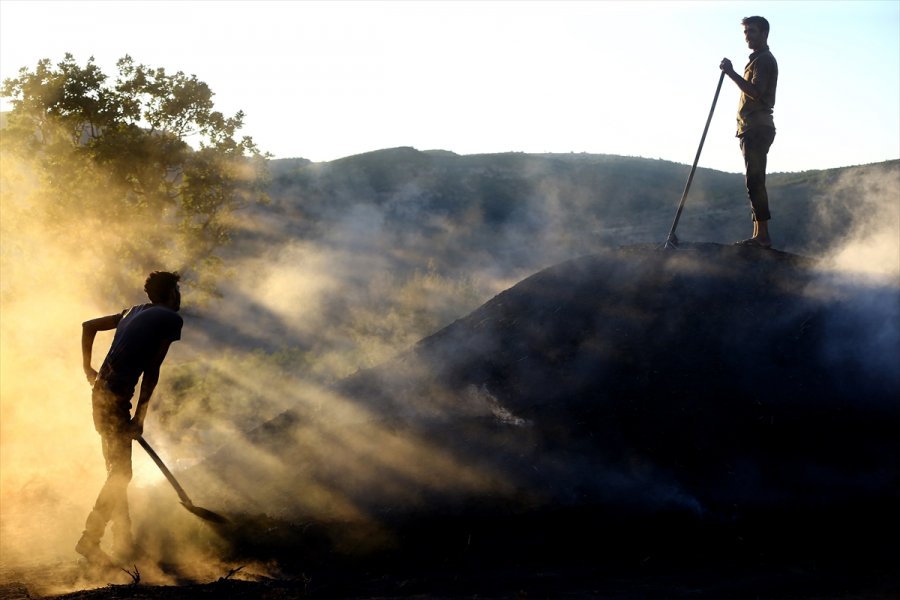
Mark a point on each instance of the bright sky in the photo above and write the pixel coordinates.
(324, 80)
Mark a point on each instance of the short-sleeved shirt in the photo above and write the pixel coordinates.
(762, 72)
(140, 331)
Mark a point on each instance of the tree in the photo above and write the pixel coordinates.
(143, 165)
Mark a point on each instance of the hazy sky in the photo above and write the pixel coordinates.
(323, 80)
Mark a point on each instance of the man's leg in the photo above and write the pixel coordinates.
(755, 144)
(118, 460)
(112, 501)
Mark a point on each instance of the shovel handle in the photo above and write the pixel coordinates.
(687, 187)
(182, 495)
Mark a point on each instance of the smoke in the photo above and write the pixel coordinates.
(299, 313)
(50, 463)
(319, 287)
(871, 244)
(55, 266)
(860, 273)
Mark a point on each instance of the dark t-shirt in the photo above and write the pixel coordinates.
(139, 333)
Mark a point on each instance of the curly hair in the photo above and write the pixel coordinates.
(160, 284)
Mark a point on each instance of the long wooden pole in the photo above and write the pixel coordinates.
(672, 241)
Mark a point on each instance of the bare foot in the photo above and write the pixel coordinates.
(755, 243)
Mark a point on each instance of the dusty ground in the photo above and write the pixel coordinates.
(783, 583)
(520, 566)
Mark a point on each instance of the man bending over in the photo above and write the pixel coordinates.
(142, 338)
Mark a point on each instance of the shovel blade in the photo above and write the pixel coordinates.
(206, 514)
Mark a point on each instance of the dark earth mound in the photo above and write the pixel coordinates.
(707, 422)
(712, 403)
(712, 393)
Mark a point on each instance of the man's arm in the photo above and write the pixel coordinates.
(745, 86)
(148, 384)
(89, 331)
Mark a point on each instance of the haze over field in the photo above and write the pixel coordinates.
(350, 264)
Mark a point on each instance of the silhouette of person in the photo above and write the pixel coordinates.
(141, 341)
(755, 125)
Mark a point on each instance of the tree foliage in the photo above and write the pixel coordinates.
(142, 161)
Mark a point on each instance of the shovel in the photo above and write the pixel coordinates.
(203, 513)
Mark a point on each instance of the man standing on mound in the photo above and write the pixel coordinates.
(755, 125)
(143, 335)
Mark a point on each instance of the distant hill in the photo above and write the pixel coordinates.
(576, 201)
(402, 231)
